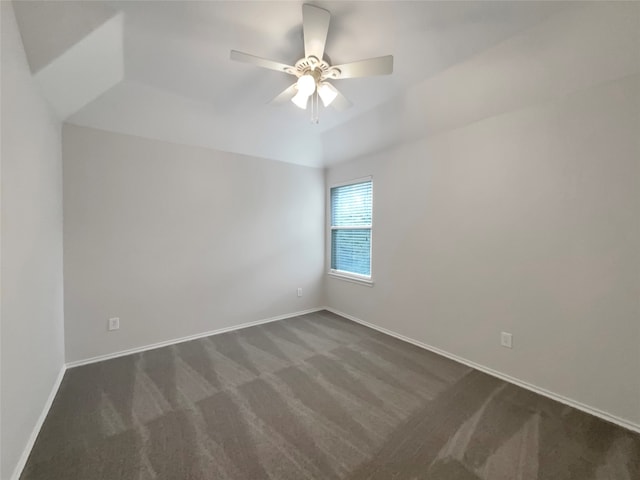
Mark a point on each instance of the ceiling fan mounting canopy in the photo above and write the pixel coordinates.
(313, 67)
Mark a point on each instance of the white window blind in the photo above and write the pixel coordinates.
(351, 219)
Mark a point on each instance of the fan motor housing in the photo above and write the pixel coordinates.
(314, 66)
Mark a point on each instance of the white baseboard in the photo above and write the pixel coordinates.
(17, 471)
(507, 378)
(173, 341)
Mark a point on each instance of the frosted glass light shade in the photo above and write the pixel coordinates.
(306, 85)
(301, 100)
(327, 93)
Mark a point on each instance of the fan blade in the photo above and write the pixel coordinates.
(285, 96)
(315, 25)
(261, 62)
(366, 68)
(341, 102)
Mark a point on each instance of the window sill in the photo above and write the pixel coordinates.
(352, 279)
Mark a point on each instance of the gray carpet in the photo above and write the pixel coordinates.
(314, 397)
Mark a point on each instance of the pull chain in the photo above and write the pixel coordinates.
(315, 107)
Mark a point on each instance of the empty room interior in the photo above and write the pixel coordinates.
(361, 240)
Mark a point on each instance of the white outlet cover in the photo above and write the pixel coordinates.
(506, 340)
(114, 323)
(299, 292)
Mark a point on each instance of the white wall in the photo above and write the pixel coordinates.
(32, 299)
(179, 240)
(527, 222)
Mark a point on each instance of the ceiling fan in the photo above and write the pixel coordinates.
(313, 72)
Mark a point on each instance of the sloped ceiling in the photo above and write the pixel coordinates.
(161, 69)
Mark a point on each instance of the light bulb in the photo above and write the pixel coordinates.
(327, 93)
(300, 100)
(306, 84)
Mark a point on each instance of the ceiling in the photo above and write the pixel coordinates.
(162, 70)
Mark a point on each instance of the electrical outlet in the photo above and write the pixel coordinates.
(114, 324)
(506, 340)
(299, 291)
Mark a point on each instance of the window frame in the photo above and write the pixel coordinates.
(343, 274)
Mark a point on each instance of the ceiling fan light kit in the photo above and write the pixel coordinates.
(313, 72)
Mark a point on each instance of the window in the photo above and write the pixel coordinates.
(351, 218)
